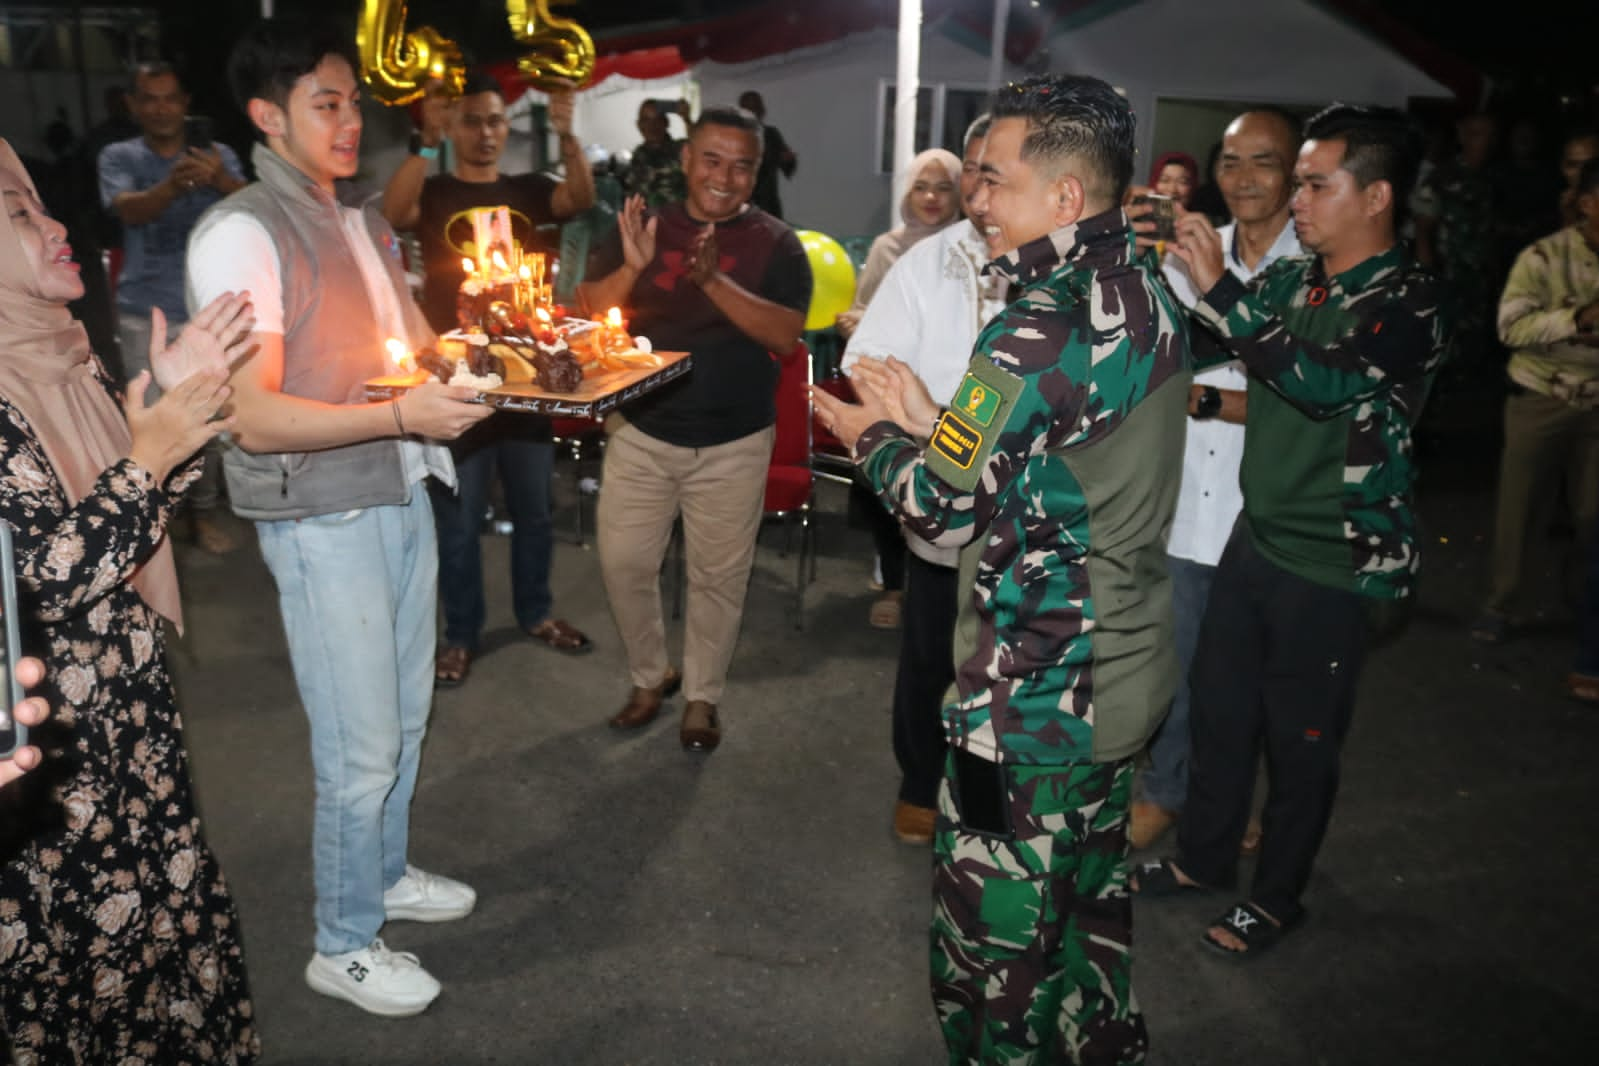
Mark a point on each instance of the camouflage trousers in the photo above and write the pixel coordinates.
(1032, 937)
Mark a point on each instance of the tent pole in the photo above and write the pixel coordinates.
(905, 87)
(996, 50)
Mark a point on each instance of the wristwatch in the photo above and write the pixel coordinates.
(1209, 404)
(426, 151)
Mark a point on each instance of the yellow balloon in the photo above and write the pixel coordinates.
(832, 278)
(396, 65)
(562, 51)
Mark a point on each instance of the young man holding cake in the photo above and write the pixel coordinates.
(439, 208)
(727, 282)
(333, 485)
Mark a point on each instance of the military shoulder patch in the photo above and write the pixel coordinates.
(965, 434)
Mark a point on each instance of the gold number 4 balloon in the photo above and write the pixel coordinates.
(396, 65)
(562, 50)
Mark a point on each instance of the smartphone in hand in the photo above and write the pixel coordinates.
(13, 734)
(197, 131)
(1163, 212)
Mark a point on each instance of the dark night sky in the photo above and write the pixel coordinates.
(1527, 55)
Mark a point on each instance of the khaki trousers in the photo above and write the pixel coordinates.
(1545, 438)
(719, 491)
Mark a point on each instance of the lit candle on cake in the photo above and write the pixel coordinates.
(400, 355)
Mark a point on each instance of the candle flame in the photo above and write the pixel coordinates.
(613, 318)
(525, 273)
(499, 262)
(400, 355)
(468, 267)
(544, 316)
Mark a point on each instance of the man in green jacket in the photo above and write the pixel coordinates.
(1341, 347)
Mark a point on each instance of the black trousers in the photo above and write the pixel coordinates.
(1277, 666)
(926, 670)
(887, 538)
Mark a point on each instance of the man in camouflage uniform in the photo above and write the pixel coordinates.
(1341, 348)
(656, 170)
(1055, 469)
(1456, 237)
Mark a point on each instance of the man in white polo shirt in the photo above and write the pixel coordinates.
(1254, 174)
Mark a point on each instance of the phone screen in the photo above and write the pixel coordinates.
(197, 131)
(982, 797)
(13, 734)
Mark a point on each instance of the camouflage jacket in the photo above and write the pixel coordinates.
(656, 173)
(1338, 371)
(1055, 470)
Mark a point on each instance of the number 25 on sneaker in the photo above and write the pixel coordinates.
(423, 897)
(379, 981)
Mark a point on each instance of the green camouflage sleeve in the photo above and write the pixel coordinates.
(1388, 333)
(1017, 400)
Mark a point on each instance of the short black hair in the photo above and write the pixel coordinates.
(1380, 144)
(152, 68)
(1588, 177)
(1073, 117)
(481, 81)
(733, 118)
(274, 54)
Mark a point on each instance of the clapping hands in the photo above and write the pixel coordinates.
(214, 339)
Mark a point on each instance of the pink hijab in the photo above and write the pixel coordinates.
(47, 372)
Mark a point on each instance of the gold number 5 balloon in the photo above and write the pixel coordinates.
(562, 50)
(396, 65)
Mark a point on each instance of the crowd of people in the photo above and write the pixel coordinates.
(1138, 497)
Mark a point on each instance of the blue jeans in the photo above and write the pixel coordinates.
(525, 470)
(357, 591)
(1166, 779)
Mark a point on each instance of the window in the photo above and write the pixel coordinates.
(946, 109)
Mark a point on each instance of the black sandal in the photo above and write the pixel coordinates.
(1158, 880)
(1251, 925)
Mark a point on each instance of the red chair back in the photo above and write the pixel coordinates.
(793, 444)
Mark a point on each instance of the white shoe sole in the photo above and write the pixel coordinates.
(338, 988)
(407, 913)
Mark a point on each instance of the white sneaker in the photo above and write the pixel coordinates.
(423, 897)
(379, 981)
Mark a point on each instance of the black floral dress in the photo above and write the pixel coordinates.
(118, 939)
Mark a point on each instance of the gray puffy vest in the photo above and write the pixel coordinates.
(331, 345)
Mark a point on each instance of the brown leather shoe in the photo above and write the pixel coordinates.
(913, 824)
(645, 703)
(1147, 823)
(701, 729)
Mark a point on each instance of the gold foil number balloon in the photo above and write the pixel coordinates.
(396, 65)
(562, 50)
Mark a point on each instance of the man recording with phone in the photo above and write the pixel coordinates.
(158, 184)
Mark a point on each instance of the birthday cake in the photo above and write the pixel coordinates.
(510, 330)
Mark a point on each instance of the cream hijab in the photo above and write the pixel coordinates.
(888, 247)
(47, 371)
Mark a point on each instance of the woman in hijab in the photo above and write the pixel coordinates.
(1175, 174)
(932, 202)
(118, 939)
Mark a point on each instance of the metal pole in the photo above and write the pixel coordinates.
(996, 49)
(906, 85)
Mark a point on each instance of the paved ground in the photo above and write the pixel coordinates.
(641, 906)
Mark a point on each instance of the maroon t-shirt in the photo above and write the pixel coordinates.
(730, 392)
